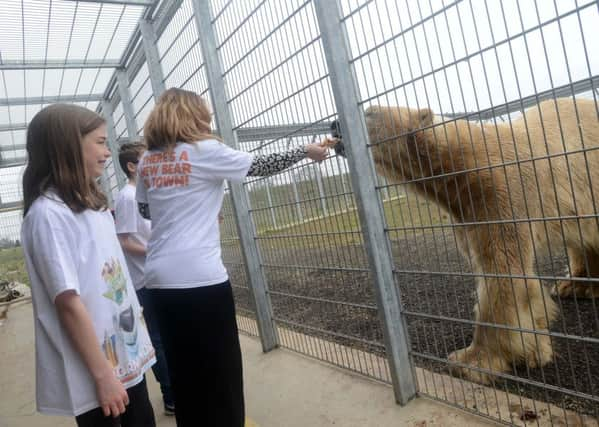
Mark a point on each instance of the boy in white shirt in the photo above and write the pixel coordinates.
(133, 232)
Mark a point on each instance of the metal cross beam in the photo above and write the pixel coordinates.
(282, 131)
(12, 147)
(9, 163)
(13, 126)
(53, 64)
(11, 206)
(125, 2)
(50, 99)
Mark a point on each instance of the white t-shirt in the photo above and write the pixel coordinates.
(184, 189)
(128, 220)
(79, 251)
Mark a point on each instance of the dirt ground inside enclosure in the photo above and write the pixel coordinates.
(575, 366)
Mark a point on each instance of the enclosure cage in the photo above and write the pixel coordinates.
(451, 250)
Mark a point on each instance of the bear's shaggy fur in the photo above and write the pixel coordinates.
(511, 190)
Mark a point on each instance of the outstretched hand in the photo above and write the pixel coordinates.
(329, 142)
(317, 152)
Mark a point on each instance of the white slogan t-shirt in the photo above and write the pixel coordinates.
(184, 189)
(128, 220)
(80, 251)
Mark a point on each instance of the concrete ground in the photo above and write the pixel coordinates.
(283, 389)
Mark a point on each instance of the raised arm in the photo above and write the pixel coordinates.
(269, 164)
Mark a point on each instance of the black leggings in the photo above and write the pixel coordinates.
(201, 344)
(138, 413)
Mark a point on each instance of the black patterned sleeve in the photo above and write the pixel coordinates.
(269, 164)
(144, 210)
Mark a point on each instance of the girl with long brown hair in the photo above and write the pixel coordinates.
(92, 349)
(181, 183)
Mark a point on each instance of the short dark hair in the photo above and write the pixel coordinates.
(130, 152)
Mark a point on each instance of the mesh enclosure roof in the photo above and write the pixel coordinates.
(53, 51)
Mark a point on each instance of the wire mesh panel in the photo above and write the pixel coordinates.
(12, 155)
(180, 54)
(10, 205)
(494, 224)
(307, 228)
(142, 97)
(112, 185)
(12, 146)
(236, 268)
(120, 125)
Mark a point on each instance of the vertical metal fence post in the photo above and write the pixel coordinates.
(298, 205)
(345, 90)
(113, 145)
(320, 185)
(105, 184)
(273, 217)
(346, 198)
(321, 192)
(245, 225)
(149, 41)
(125, 95)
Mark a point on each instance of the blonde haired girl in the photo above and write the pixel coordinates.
(181, 183)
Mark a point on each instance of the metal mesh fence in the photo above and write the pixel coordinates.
(452, 249)
(495, 210)
(308, 233)
(233, 259)
(142, 97)
(181, 56)
(10, 206)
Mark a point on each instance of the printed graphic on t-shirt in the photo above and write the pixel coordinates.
(166, 169)
(113, 275)
(120, 344)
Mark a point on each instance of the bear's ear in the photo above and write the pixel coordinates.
(425, 117)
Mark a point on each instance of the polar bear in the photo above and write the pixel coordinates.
(511, 189)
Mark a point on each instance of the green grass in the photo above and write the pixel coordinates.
(12, 265)
(282, 206)
(341, 227)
